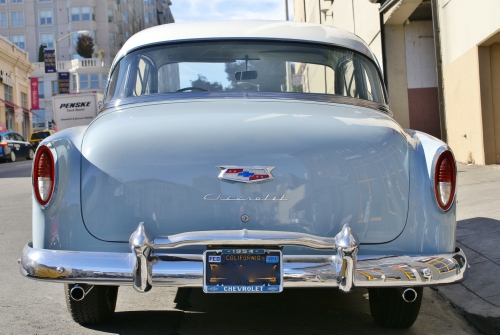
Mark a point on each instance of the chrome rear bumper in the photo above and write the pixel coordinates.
(148, 266)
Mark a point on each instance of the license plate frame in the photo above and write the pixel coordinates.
(242, 270)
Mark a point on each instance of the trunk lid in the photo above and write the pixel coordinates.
(158, 164)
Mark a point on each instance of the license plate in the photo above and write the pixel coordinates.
(242, 271)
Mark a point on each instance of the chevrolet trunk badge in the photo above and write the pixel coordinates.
(246, 174)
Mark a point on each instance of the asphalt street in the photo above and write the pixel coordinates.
(34, 307)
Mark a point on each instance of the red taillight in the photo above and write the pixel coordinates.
(3, 144)
(43, 175)
(445, 180)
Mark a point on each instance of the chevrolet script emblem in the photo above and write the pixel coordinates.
(243, 174)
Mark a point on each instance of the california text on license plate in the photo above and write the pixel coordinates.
(242, 271)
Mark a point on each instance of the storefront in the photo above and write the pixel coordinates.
(15, 69)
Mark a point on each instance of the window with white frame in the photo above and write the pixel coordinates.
(146, 17)
(84, 81)
(104, 79)
(41, 90)
(82, 14)
(86, 13)
(47, 40)
(112, 39)
(18, 40)
(94, 80)
(17, 19)
(111, 16)
(24, 100)
(3, 20)
(125, 16)
(46, 17)
(16, 1)
(8, 92)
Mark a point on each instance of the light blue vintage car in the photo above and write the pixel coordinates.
(244, 156)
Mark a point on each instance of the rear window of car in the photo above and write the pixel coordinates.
(264, 66)
(40, 135)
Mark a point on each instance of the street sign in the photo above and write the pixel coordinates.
(49, 58)
(63, 82)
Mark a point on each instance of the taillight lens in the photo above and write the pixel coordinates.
(43, 175)
(3, 144)
(445, 180)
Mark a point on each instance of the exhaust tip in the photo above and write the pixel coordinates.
(409, 295)
(77, 293)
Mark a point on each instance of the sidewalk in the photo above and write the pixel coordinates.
(478, 234)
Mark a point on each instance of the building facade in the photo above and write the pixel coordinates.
(441, 63)
(57, 24)
(15, 69)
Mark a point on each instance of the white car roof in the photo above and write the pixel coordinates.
(244, 29)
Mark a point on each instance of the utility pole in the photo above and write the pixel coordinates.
(288, 65)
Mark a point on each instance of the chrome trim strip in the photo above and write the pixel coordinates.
(161, 97)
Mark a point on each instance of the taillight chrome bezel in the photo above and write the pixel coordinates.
(34, 175)
(441, 153)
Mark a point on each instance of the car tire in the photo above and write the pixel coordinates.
(12, 156)
(97, 306)
(389, 310)
(31, 154)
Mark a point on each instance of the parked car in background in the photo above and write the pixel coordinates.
(38, 135)
(13, 146)
(268, 159)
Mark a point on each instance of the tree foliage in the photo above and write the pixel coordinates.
(202, 82)
(85, 46)
(40, 53)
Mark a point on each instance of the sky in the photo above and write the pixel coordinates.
(200, 10)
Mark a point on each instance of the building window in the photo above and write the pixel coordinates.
(8, 92)
(104, 79)
(120, 28)
(86, 14)
(3, 20)
(18, 40)
(75, 14)
(44, 0)
(41, 91)
(45, 17)
(146, 2)
(74, 82)
(127, 35)
(151, 2)
(146, 17)
(84, 81)
(47, 40)
(55, 87)
(16, 1)
(152, 15)
(110, 16)
(2, 2)
(17, 19)
(125, 16)
(94, 80)
(112, 39)
(24, 100)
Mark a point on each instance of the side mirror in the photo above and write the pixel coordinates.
(245, 75)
